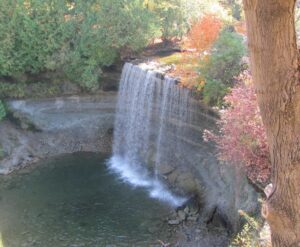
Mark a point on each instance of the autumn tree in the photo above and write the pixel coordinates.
(241, 139)
(204, 32)
(274, 61)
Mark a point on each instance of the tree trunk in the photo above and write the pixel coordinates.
(274, 65)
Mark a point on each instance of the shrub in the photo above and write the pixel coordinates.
(242, 137)
(2, 155)
(224, 62)
(12, 90)
(213, 92)
(249, 235)
(22, 90)
(2, 111)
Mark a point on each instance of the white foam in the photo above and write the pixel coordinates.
(139, 177)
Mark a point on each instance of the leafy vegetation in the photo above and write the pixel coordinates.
(220, 55)
(242, 137)
(21, 90)
(249, 235)
(204, 32)
(234, 7)
(74, 38)
(214, 92)
(2, 111)
(224, 62)
(200, 38)
(222, 66)
(170, 17)
(177, 17)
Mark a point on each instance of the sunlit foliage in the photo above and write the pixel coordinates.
(242, 137)
(234, 7)
(224, 62)
(75, 38)
(222, 65)
(204, 32)
(249, 234)
(200, 39)
(171, 17)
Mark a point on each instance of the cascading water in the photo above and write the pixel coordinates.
(151, 110)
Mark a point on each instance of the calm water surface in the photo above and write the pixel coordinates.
(75, 201)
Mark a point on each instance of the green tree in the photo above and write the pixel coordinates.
(223, 65)
(107, 30)
(75, 38)
(225, 59)
(234, 6)
(170, 13)
(34, 31)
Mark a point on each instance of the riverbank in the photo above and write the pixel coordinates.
(43, 128)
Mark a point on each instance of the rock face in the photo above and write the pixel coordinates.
(161, 125)
(222, 189)
(48, 127)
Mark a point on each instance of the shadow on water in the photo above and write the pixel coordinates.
(73, 200)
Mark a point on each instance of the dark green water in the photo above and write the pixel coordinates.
(74, 201)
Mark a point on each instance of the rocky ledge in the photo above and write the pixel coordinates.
(42, 128)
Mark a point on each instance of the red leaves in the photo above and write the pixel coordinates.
(199, 40)
(242, 137)
(204, 32)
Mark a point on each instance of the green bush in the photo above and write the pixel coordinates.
(2, 111)
(22, 90)
(223, 65)
(225, 60)
(2, 153)
(249, 234)
(213, 92)
(12, 90)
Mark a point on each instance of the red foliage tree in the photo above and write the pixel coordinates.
(242, 137)
(204, 32)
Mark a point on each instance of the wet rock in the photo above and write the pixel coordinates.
(192, 218)
(172, 177)
(194, 211)
(187, 181)
(166, 169)
(174, 222)
(181, 215)
(187, 210)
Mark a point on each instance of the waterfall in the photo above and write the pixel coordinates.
(151, 111)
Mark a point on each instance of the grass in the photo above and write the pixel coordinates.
(175, 58)
(185, 68)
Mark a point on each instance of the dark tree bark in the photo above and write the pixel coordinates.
(274, 65)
